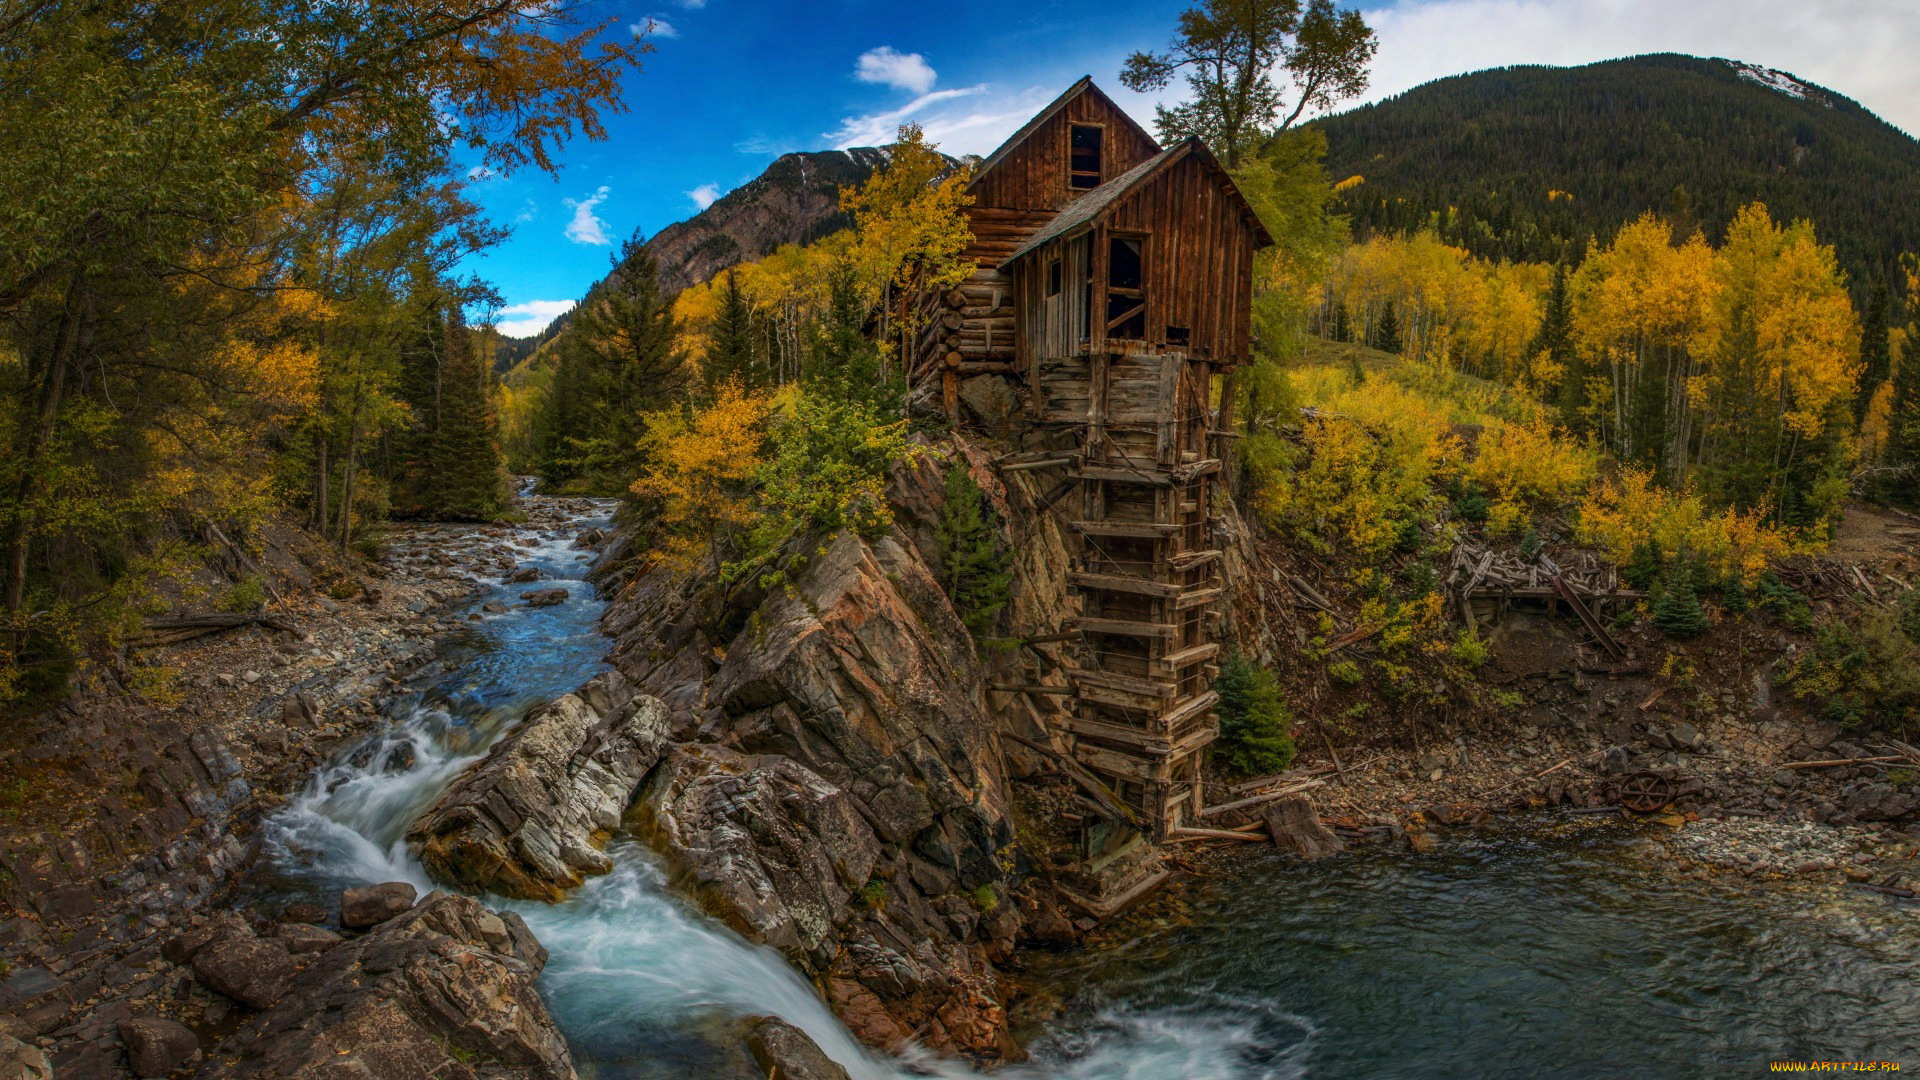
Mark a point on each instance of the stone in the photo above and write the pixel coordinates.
(1879, 802)
(371, 905)
(544, 597)
(157, 1046)
(303, 912)
(785, 1052)
(494, 607)
(522, 575)
(446, 990)
(250, 970)
(1685, 736)
(528, 821)
(301, 938)
(1616, 761)
(19, 1061)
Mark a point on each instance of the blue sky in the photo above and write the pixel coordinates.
(734, 83)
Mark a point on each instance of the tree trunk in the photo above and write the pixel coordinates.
(321, 483)
(52, 391)
(346, 491)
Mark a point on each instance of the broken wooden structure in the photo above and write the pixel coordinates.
(1116, 284)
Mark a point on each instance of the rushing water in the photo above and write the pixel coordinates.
(1545, 953)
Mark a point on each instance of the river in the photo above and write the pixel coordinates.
(1544, 952)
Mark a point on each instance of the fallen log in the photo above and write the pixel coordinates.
(173, 629)
(1264, 797)
(1905, 894)
(1836, 762)
(1182, 833)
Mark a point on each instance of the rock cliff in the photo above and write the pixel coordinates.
(839, 792)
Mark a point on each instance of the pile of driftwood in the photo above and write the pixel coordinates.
(1282, 814)
(174, 629)
(1823, 577)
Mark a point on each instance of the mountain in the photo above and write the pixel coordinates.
(1528, 162)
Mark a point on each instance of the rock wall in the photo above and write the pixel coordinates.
(840, 792)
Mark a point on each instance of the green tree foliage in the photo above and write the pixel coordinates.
(1386, 335)
(1863, 670)
(731, 345)
(1229, 51)
(1676, 610)
(1518, 163)
(467, 477)
(840, 358)
(618, 361)
(1554, 342)
(974, 564)
(1876, 346)
(1255, 724)
(1903, 423)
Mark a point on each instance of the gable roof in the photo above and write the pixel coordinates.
(1080, 86)
(1084, 211)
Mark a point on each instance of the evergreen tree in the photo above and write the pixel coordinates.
(1255, 725)
(730, 350)
(1876, 347)
(1903, 426)
(1676, 611)
(974, 568)
(1386, 335)
(466, 479)
(617, 362)
(841, 359)
(1555, 341)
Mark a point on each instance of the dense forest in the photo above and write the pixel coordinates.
(1532, 162)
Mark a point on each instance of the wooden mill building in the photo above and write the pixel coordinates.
(1115, 286)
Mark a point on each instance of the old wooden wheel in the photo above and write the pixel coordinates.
(1643, 793)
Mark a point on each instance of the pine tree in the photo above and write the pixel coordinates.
(1386, 336)
(1676, 611)
(1903, 424)
(973, 566)
(1876, 347)
(1555, 341)
(1255, 724)
(841, 359)
(618, 361)
(730, 349)
(466, 480)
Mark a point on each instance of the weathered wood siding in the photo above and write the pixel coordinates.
(1198, 274)
(1033, 175)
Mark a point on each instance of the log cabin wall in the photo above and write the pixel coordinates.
(1031, 174)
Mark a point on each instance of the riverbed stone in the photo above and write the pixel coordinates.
(157, 1046)
(246, 968)
(21, 1061)
(528, 820)
(544, 597)
(370, 905)
(784, 1051)
(445, 990)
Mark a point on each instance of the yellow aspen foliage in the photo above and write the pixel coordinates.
(699, 471)
(1528, 465)
(1623, 514)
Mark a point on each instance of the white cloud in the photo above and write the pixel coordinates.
(1860, 48)
(586, 227)
(528, 319)
(528, 211)
(480, 172)
(654, 26)
(902, 71)
(878, 129)
(704, 195)
(693, 5)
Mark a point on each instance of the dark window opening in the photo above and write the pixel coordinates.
(1126, 297)
(1083, 156)
(1053, 277)
(1178, 335)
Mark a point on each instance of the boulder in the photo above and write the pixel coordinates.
(300, 939)
(770, 847)
(303, 912)
(522, 575)
(371, 905)
(528, 820)
(784, 1051)
(446, 990)
(544, 597)
(157, 1046)
(246, 968)
(20, 1061)
(1880, 802)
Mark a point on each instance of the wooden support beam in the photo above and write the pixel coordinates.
(1137, 530)
(1129, 628)
(1132, 684)
(1172, 663)
(1123, 583)
(1197, 598)
(1146, 741)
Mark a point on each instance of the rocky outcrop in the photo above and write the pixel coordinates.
(844, 797)
(443, 991)
(784, 1052)
(529, 819)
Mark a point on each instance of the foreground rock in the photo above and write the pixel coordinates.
(372, 905)
(157, 1046)
(443, 991)
(20, 1061)
(785, 1052)
(847, 801)
(527, 821)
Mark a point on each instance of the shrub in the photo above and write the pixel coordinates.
(1861, 671)
(974, 566)
(1469, 649)
(244, 595)
(1785, 601)
(1255, 725)
(1345, 672)
(1625, 515)
(984, 899)
(1676, 611)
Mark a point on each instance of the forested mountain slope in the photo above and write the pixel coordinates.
(1528, 162)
